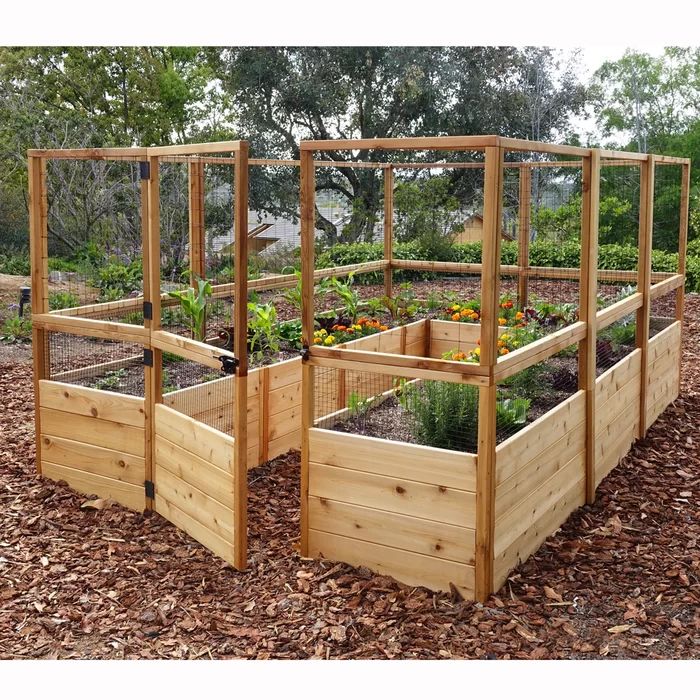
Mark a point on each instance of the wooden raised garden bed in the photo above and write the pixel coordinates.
(374, 492)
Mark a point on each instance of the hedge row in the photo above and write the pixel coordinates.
(542, 254)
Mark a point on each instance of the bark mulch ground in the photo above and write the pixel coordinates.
(619, 580)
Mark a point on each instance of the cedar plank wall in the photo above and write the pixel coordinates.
(540, 479)
(194, 479)
(94, 440)
(403, 510)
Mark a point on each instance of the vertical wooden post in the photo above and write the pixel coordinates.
(682, 252)
(264, 415)
(150, 373)
(240, 349)
(38, 251)
(524, 197)
(490, 294)
(308, 207)
(588, 292)
(195, 175)
(388, 228)
(646, 228)
(152, 264)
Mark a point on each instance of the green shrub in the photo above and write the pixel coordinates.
(611, 256)
(16, 330)
(63, 265)
(62, 300)
(15, 264)
(116, 280)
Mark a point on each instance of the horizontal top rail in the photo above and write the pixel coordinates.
(427, 143)
(541, 147)
(195, 148)
(88, 153)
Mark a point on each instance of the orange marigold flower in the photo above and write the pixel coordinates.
(383, 328)
(318, 340)
(459, 356)
(504, 351)
(519, 315)
(502, 321)
(455, 317)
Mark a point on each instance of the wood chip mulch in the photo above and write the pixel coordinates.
(619, 580)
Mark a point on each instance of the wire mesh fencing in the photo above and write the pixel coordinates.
(94, 232)
(530, 393)
(423, 412)
(662, 313)
(198, 391)
(96, 363)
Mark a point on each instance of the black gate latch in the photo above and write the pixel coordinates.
(228, 364)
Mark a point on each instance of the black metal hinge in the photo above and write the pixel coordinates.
(148, 310)
(145, 170)
(228, 364)
(150, 489)
(148, 358)
(304, 354)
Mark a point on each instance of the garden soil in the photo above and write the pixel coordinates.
(620, 579)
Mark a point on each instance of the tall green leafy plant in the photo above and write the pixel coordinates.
(263, 329)
(193, 305)
(345, 292)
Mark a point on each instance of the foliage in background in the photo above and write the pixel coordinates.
(542, 253)
(427, 212)
(62, 300)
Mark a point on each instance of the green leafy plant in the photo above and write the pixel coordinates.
(358, 407)
(433, 300)
(402, 306)
(62, 300)
(111, 381)
(374, 306)
(263, 330)
(623, 333)
(11, 264)
(293, 295)
(511, 413)
(16, 330)
(194, 307)
(444, 413)
(290, 332)
(168, 385)
(345, 292)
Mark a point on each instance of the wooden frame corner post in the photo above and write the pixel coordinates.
(646, 229)
(308, 205)
(388, 228)
(38, 247)
(240, 348)
(486, 451)
(588, 293)
(150, 241)
(195, 176)
(524, 201)
(682, 251)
